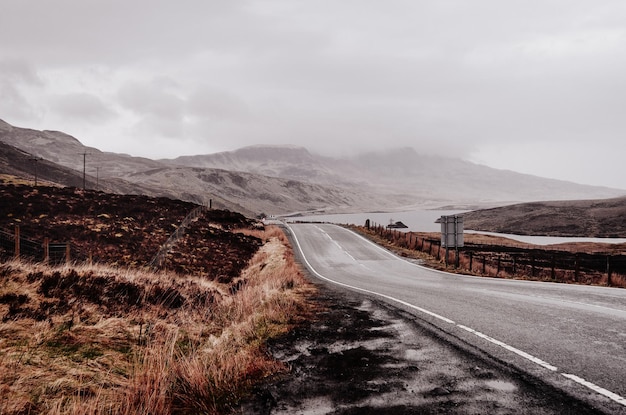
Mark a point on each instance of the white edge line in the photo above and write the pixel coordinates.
(510, 348)
(598, 389)
(613, 396)
(404, 303)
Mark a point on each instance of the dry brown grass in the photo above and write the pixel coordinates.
(102, 340)
(436, 259)
(11, 179)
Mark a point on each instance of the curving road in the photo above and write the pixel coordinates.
(573, 337)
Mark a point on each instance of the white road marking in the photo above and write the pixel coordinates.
(613, 396)
(336, 243)
(510, 348)
(598, 389)
(404, 303)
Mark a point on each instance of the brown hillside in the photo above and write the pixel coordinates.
(580, 218)
(128, 230)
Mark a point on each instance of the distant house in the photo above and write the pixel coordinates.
(397, 225)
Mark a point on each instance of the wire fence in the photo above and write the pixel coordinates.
(160, 257)
(14, 245)
(504, 261)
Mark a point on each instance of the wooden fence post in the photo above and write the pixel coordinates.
(67, 252)
(608, 270)
(46, 250)
(471, 256)
(17, 241)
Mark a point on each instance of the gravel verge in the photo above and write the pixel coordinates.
(362, 356)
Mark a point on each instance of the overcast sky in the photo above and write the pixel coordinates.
(535, 86)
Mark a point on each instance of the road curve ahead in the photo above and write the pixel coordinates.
(571, 336)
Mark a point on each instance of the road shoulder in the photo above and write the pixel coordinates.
(362, 356)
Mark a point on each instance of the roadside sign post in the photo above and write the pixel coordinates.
(452, 235)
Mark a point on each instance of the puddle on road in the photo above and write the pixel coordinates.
(414, 355)
(501, 385)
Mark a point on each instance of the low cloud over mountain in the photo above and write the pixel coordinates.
(285, 179)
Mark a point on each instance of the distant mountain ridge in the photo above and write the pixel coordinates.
(248, 193)
(432, 180)
(286, 179)
(289, 162)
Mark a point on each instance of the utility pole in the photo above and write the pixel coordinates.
(84, 168)
(36, 160)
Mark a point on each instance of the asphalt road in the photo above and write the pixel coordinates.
(570, 336)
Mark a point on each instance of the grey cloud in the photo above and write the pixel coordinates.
(152, 125)
(215, 103)
(157, 104)
(19, 71)
(157, 99)
(82, 107)
(16, 76)
(118, 32)
(448, 76)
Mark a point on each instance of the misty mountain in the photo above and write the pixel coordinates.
(249, 193)
(465, 182)
(18, 166)
(284, 179)
(288, 162)
(423, 180)
(67, 151)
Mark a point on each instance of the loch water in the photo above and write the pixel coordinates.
(425, 221)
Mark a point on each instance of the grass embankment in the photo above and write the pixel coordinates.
(97, 339)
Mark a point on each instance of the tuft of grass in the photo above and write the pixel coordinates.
(94, 339)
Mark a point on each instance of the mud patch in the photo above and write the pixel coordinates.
(362, 357)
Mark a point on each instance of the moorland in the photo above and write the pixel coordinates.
(111, 335)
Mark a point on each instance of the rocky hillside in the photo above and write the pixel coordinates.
(288, 162)
(423, 180)
(18, 163)
(18, 166)
(248, 193)
(586, 218)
